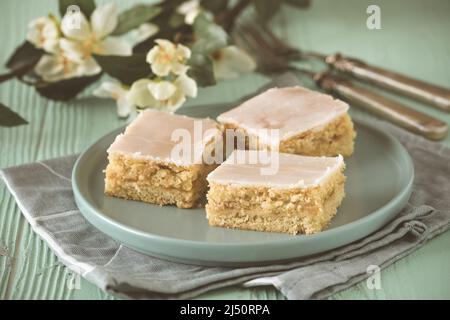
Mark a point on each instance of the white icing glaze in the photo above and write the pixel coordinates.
(149, 136)
(291, 110)
(294, 171)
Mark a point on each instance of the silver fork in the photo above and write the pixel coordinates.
(272, 58)
(426, 92)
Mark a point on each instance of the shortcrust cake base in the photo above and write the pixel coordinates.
(155, 182)
(337, 137)
(291, 211)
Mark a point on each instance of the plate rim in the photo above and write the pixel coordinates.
(402, 196)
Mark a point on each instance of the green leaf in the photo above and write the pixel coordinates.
(86, 6)
(168, 24)
(201, 69)
(169, 6)
(216, 6)
(9, 118)
(144, 46)
(125, 69)
(210, 36)
(134, 17)
(266, 9)
(299, 3)
(24, 59)
(169, 32)
(176, 20)
(66, 89)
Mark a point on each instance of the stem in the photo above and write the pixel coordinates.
(18, 72)
(23, 80)
(11, 75)
(7, 76)
(228, 18)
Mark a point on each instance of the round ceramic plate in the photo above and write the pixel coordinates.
(380, 176)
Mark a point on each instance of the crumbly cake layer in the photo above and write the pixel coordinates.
(155, 181)
(336, 137)
(290, 110)
(294, 120)
(292, 210)
(149, 162)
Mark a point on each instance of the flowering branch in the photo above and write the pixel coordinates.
(227, 18)
(157, 55)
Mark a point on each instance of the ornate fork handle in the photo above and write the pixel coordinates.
(409, 119)
(420, 90)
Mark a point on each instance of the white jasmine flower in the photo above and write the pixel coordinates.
(140, 94)
(230, 62)
(161, 90)
(171, 96)
(144, 31)
(190, 10)
(44, 33)
(58, 66)
(114, 90)
(167, 57)
(84, 38)
(163, 94)
(186, 85)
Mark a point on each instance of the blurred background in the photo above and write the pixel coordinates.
(413, 40)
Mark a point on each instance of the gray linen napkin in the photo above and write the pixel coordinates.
(43, 193)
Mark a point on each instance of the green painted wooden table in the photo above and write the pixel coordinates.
(413, 40)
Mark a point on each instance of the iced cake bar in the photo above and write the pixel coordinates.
(295, 194)
(294, 120)
(148, 163)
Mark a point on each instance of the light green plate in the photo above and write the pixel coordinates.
(380, 176)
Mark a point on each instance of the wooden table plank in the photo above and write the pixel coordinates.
(17, 145)
(412, 41)
(27, 137)
(67, 129)
(30, 270)
(413, 38)
(420, 275)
